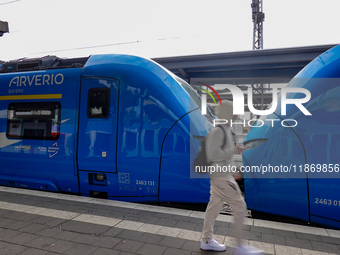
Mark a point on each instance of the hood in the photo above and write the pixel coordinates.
(225, 111)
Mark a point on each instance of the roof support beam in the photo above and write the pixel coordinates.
(183, 73)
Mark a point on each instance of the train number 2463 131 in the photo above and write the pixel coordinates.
(325, 201)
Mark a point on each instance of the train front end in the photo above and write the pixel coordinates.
(155, 119)
(293, 158)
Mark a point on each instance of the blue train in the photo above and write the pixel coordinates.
(113, 126)
(309, 149)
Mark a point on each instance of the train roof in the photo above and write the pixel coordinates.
(43, 63)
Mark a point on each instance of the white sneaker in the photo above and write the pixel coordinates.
(245, 250)
(212, 245)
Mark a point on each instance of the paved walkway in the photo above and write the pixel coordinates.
(39, 223)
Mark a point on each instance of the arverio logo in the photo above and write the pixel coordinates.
(204, 97)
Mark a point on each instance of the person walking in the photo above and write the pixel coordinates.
(223, 187)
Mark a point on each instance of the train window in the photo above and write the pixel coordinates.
(194, 96)
(98, 103)
(34, 120)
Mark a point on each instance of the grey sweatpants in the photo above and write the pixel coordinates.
(224, 190)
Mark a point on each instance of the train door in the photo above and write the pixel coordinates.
(98, 125)
(144, 123)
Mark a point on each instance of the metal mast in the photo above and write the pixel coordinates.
(258, 18)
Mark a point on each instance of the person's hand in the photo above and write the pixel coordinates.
(240, 148)
(237, 176)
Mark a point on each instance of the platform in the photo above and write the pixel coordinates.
(39, 223)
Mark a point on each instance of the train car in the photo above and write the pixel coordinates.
(308, 148)
(112, 126)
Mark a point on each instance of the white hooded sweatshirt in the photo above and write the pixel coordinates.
(221, 157)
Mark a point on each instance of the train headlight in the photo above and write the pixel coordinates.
(253, 143)
(100, 177)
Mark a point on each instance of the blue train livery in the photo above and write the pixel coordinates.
(113, 126)
(309, 149)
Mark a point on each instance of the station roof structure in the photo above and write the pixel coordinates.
(244, 67)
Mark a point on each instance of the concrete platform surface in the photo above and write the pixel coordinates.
(39, 223)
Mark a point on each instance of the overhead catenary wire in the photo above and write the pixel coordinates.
(109, 45)
(10, 2)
